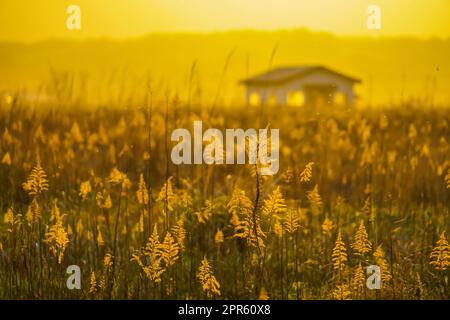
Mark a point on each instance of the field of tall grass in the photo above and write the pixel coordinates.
(95, 187)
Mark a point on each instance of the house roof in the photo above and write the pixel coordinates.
(285, 74)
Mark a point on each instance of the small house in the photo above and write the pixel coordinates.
(300, 85)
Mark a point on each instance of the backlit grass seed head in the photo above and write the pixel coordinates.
(440, 256)
(8, 218)
(263, 294)
(412, 132)
(239, 205)
(315, 200)
(139, 226)
(153, 271)
(184, 200)
(169, 250)
(327, 226)
(149, 259)
(85, 189)
(37, 181)
(277, 229)
(341, 292)
(206, 212)
(79, 227)
(33, 214)
(103, 200)
(75, 133)
(153, 245)
(126, 186)
(245, 230)
(208, 281)
(142, 192)
(369, 154)
(6, 159)
(275, 205)
(108, 261)
(240, 208)
(100, 240)
(339, 255)
(447, 179)
(219, 237)
(420, 287)
(93, 283)
(306, 174)
(179, 232)
(380, 260)
(167, 197)
(102, 281)
(367, 207)
(359, 279)
(291, 221)
(288, 175)
(116, 177)
(361, 244)
(57, 237)
(368, 210)
(12, 220)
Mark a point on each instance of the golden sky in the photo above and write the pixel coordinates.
(32, 20)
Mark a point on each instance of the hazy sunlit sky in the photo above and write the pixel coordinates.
(32, 20)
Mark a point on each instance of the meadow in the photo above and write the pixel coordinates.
(95, 187)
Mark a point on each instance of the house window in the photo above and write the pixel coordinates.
(296, 98)
(255, 99)
(340, 99)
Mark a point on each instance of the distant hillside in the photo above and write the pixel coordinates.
(392, 69)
